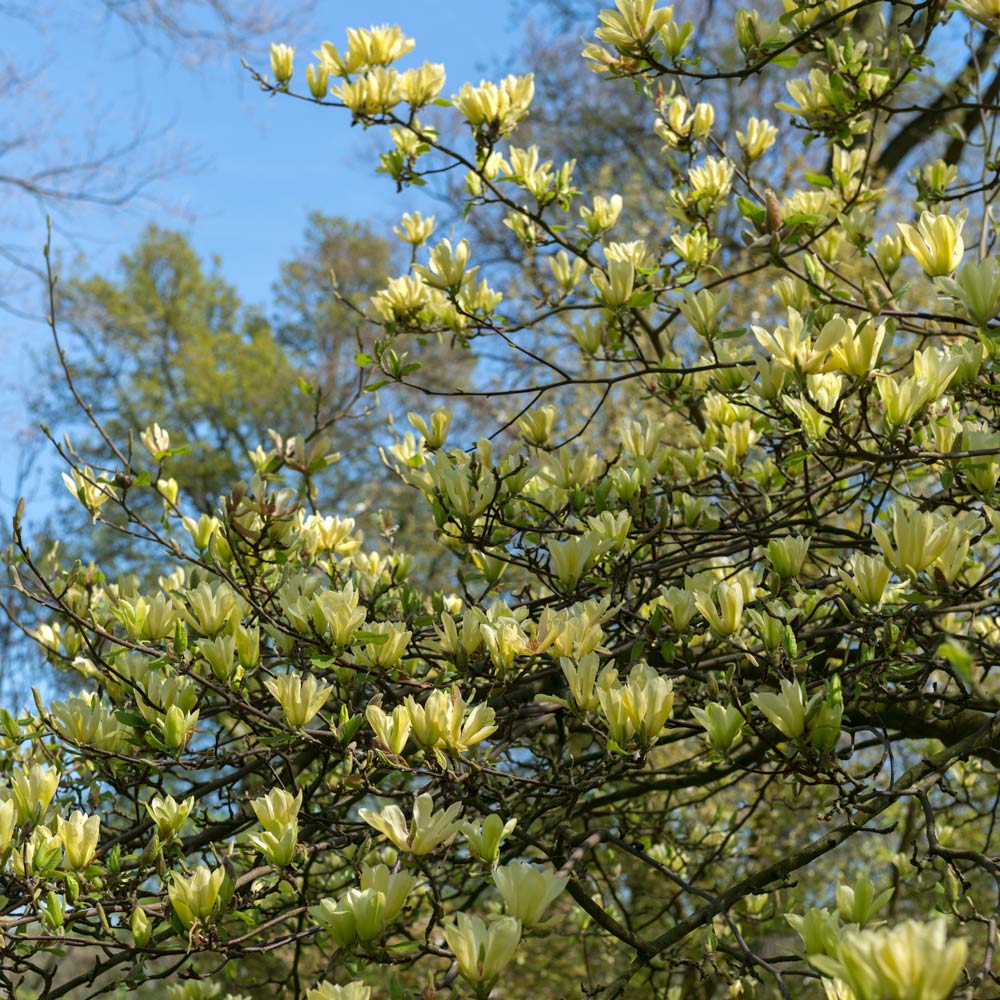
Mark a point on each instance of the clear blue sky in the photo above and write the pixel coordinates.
(255, 166)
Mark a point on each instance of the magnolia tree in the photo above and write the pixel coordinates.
(709, 700)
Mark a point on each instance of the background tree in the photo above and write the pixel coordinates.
(169, 339)
(43, 167)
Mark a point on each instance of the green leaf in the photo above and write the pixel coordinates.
(406, 948)
(131, 719)
(346, 731)
(375, 638)
(820, 180)
(803, 219)
(362, 360)
(395, 988)
(788, 60)
(750, 209)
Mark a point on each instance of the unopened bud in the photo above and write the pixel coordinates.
(142, 930)
(281, 62)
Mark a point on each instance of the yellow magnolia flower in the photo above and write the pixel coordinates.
(528, 891)
(414, 228)
(394, 887)
(936, 242)
(868, 580)
(794, 348)
(496, 107)
(447, 267)
(421, 85)
(156, 441)
(168, 814)
(787, 555)
(32, 790)
(300, 699)
(537, 424)
(85, 721)
(787, 710)
(401, 299)
(350, 991)
(572, 557)
(977, 288)
(856, 352)
(712, 181)
(79, 835)
(8, 823)
(911, 961)
(616, 286)
(603, 215)
(858, 904)
(722, 724)
(985, 11)
(375, 46)
(281, 61)
(918, 538)
(482, 951)
(194, 898)
(386, 654)
(633, 24)
(445, 720)
(759, 138)
(364, 914)
(426, 831)
(88, 489)
(278, 813)
(375, 93)
(41, 851)
(585, 676)
(318, 80)
(337, 614)
(392, 730)
(638, 708)
(484, 840)
(177, 727)
(814, 99)
(728, 617)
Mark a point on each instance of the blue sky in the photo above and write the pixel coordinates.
(251, 167)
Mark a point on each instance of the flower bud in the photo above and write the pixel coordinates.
(141, 928)
(318, 78)
(484, 841)
(702, 120)
(722, 724)
(747, 29)
(787, 555)
(281, 62)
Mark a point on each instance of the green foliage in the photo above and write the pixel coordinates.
(168, 335)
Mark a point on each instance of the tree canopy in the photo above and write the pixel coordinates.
(707, 696)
